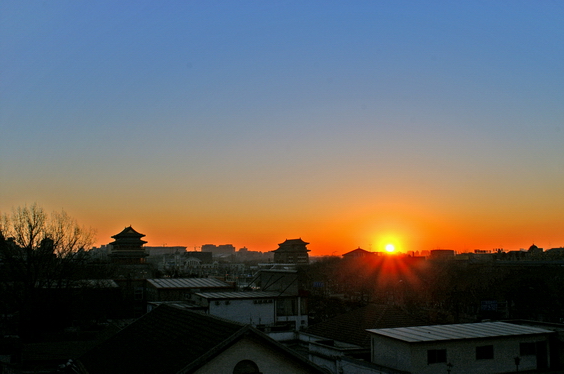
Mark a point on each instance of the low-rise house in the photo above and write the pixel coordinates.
(359, 253)
(259, 308)
(487, 347)
(174, 340)
(179, 289)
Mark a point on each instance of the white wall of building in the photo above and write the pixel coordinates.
(254, 312)
(392, 353)
(268, 360)
(460, 353)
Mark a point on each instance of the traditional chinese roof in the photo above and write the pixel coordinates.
(292, 245)
(128, 237)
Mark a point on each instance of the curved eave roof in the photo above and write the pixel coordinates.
(128, 232)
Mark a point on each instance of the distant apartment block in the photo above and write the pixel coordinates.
(218, 250)
(164, 250)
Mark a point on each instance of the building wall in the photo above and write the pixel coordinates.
(391, 353)
(254, 312)
(461, 354)
(267, 359)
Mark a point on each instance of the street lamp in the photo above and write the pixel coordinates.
(449, 367)
(517, 362)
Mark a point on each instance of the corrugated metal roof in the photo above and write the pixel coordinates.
(238, 295)
(458, 331)
(187, 283)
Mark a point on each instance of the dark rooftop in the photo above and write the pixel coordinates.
(167, 334)
(351, 327)
(174, 340)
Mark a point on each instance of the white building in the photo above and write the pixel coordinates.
(257, 308)
(487, 347)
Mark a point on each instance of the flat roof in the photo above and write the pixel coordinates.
(239, 295)
(418, 334)
(187, 283)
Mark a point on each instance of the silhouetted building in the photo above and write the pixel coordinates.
(164, 250)
(223, 249)
(442, 254)
(128, 248)
(202, 257)
(359, 252)
(292, 251)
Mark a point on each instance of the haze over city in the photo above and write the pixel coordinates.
(422, 125)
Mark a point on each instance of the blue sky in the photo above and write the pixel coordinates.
(439, 123)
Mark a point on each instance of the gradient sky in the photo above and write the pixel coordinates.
(433, 124)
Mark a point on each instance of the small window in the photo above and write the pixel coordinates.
(485, 352)
(246, 367)
(435, 356)
(527, 349)
(138, 293)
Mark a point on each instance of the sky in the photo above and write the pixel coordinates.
(428, 125)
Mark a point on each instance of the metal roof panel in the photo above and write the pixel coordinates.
(238, 295)
(187, 283)
(419, 334)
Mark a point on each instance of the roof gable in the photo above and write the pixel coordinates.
(174, 340)
(358, 252)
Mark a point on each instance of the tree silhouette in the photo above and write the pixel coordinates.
(39, 253)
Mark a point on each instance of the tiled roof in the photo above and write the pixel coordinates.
(128, 236)
(187, 283)
(172, 340)
(239, 295)
(351, 327)
(458, 331)
(129, 232)
(163, 341)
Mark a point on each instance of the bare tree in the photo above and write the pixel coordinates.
(39, 252)
(28, 226)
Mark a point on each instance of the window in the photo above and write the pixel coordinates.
(527, 349)
(485, 352)
(138, 293)
(435, 356)
(246, 367)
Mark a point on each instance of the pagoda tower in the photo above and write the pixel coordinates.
(292, 251)
(127, 248)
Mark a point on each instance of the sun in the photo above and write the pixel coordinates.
(390, 248)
